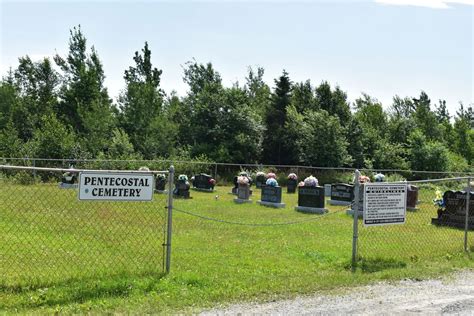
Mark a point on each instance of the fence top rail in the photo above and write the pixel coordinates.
(258, 165)
(8, 167)
(440, 180)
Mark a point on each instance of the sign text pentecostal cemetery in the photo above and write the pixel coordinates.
(115, 186)
(384, 203)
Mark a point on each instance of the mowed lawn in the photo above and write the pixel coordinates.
(58, 254)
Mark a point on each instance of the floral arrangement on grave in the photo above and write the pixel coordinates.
(379, 177)
(244, 174)
(292, 176)
(310, 182)
(260, 174)
(439, 200)
(243, 181)
(184, 179)
(364, 179)
(260, 179)
(271, 175)
(212, 182)
(68, 176)
(272, 182)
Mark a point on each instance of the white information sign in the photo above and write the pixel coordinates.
(94, 185)
(385, 203)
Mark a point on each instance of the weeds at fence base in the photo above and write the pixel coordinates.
(79, 291)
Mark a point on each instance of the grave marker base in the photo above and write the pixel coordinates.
(67, 185)
(336, 202)
(312, 210)
(203, 190)
(242, 201)
(161, 191)
(412, 209)
(351, 213)
(271, 204)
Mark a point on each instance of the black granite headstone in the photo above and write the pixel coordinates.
(342, 192)
(203, 181)
(454, 212)
(271, 194)
(311, 196)
(182, 189)
(291, 185)
(160, 183)
(259, 181)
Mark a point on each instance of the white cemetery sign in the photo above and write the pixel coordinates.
(96, 185)
(384, 203)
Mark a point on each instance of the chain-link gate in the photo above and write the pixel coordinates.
(435, 226)
(48, 236)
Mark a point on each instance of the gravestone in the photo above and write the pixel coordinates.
(412, 197)
(68, 180)
(260, 180)
(311, 200)
(243, 194)
(182, 190)
(341, 194)
(454, 212)
(160, 184)
(236, 185)
(352, 211)
(291, 185)
(202, 182)
(271, 196)
(327, 189)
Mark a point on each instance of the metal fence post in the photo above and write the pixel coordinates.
(355, 227)
(170, 219)
(215, 171)
(468, 200)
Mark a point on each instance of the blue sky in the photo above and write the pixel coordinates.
(381, 47)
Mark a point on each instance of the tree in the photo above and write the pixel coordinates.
(53, 139)
(142, 116)
(324, 141)
(334, 102)
(85, 104)
(426, 119)
(275, 150)
(427, 155)
(302, 97)
(258, 91)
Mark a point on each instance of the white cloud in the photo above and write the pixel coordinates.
(435, 4)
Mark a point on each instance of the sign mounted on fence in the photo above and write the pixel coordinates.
(115, 186)
(384, 203)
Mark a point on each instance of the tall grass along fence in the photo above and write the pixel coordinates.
(49, 237)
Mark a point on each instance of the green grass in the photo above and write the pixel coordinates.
(69, 256)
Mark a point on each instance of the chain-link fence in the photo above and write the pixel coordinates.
(225, 172)
(48, 236)
(435, 226)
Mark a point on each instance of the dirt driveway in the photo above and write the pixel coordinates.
(450, 295)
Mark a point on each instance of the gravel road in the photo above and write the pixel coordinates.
(449, 295)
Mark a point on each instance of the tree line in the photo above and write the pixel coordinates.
(60, 108)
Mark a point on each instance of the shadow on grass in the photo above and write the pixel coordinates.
(80, 290)
(371, 265)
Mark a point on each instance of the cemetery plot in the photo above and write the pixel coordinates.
(453, 212)
(341, 194)
(271, 196)
(311, 200)
(203, 182)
